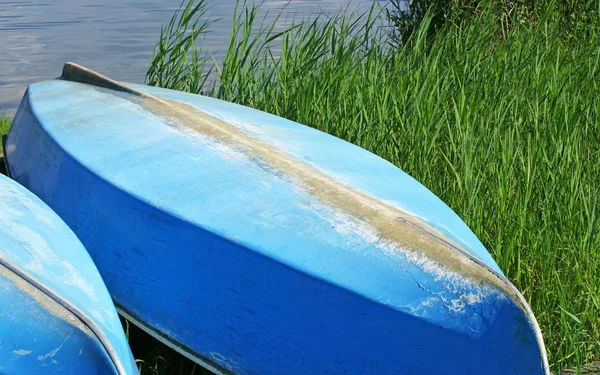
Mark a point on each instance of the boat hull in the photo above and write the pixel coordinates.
(56, 316)
(41, 336)
(188, 254)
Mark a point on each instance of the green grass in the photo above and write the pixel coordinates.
(505, 131)
(155, 358)
(4, 125)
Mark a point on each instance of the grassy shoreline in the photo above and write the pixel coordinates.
(4, 125)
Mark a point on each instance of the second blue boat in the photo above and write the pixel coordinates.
(56, 316)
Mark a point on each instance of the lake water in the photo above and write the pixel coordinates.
(114, 37)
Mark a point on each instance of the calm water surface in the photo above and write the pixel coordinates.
(114, 37)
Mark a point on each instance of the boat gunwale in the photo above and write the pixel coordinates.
(164, 339)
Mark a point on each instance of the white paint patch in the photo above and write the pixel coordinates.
(97, 316)
(9, 198)
(223, 150)
(454, 284)
(471, 298)
(41, 213)
(453, 291)
(355, 231)
(426, 305)
(227, 363)
(42, 257)
(22, 352)
(52, 353)
(102, 315)
(36, 251)
(10, 149)
(460, 304)
(428, 302)
(247, 127)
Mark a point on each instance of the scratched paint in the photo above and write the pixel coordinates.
(47, 337)
(46, 303)
(41, 247)
(218, 202)
(386, 182)
(35, 240)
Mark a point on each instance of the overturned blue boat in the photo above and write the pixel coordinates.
(255, 245)
(56, 316)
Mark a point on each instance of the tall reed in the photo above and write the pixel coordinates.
(506, 132)
(4, 125)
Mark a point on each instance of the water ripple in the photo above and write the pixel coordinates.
(113, 36)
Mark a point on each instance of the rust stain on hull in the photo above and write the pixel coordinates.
(391, 223)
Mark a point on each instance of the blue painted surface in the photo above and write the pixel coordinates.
(219, 253)
(37, 332)
(345, 161)
(34, 340)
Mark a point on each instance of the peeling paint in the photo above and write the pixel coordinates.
(223, 361)
(22, 352)
(53, 352)
(37, 254)
(40, 255)
(44, 301)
